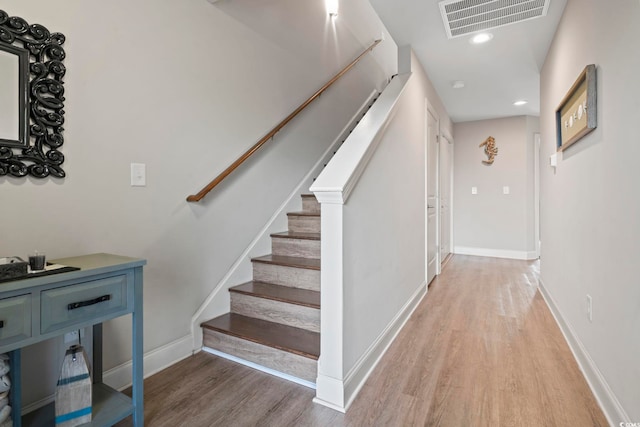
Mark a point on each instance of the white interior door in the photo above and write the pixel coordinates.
(446, 170)
(433, 264)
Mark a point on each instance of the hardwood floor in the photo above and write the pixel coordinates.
(482, 349)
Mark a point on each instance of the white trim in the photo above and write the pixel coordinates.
(608, 401)
(429, 109)
(448, 141)
(339, 394)
(536, 193)
(329, 383)
(263, 235)
(343, 171)
(38, 404)
(495, 253)
(260, 367)
(155, 361)
(332, 392)
(447, 135)
(452, 198)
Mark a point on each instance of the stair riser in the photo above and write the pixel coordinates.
(287, 276)
(282, 361)
(304, 224)
(295, 247)
(276, 311)
(310, 204)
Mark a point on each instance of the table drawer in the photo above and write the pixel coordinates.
(84, 302)
(15, 319)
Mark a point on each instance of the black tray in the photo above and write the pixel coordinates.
(64, 269)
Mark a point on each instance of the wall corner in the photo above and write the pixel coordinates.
(404, 59)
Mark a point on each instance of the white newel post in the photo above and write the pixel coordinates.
(332, 189)
(330, 382)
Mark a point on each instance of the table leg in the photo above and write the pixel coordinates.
(97, 354)
(138, 352)
(15, 394)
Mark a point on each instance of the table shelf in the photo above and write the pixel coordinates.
(109, 407)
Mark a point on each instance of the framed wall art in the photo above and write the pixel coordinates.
(577, 114)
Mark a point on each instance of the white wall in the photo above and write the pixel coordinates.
(492, 223)
(384, 222)
(590, 206)
(184, 87)
(373, 233)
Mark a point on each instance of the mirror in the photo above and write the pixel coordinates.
(14, 63)
(31, 99)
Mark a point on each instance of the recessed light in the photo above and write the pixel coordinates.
(481, 38)
(519, 103)
(458, 84)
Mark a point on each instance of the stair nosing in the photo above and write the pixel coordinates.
(287, 261)
(257, 340)
(296, 235)
(303, 213)
(276, 298)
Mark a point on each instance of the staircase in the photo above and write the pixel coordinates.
(275, 319)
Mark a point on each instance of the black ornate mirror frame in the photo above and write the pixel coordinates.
(36, 152)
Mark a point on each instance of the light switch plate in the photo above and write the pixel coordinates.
(138, 174)
(506, 190)
(474, 190)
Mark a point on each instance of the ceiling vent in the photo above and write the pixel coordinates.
(462, 17)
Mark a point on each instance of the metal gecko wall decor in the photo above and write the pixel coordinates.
(40, 54)
(490, 150)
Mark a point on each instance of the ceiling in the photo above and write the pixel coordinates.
(496, 74)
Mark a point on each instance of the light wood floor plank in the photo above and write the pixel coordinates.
(482, 349)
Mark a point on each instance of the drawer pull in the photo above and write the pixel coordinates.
(75, 305)
(1, 324)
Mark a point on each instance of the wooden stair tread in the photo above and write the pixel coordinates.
(308, 195)
(297, 235)
(287, 338)
(303, 213)
(303, 297)
(289, 261)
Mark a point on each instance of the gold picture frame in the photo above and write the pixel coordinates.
(577, 114)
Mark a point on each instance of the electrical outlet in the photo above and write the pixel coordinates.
(138, 175)
(589, 308)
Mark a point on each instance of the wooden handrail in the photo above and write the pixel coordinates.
(200, 195)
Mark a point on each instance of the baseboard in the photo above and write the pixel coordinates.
(357, 376)
(154, 362)
(495, 253)
(613, 410)
(329, 392)
(445, 261)
(38, 404)
(263, 235)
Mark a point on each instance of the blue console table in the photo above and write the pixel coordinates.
(36, 309)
